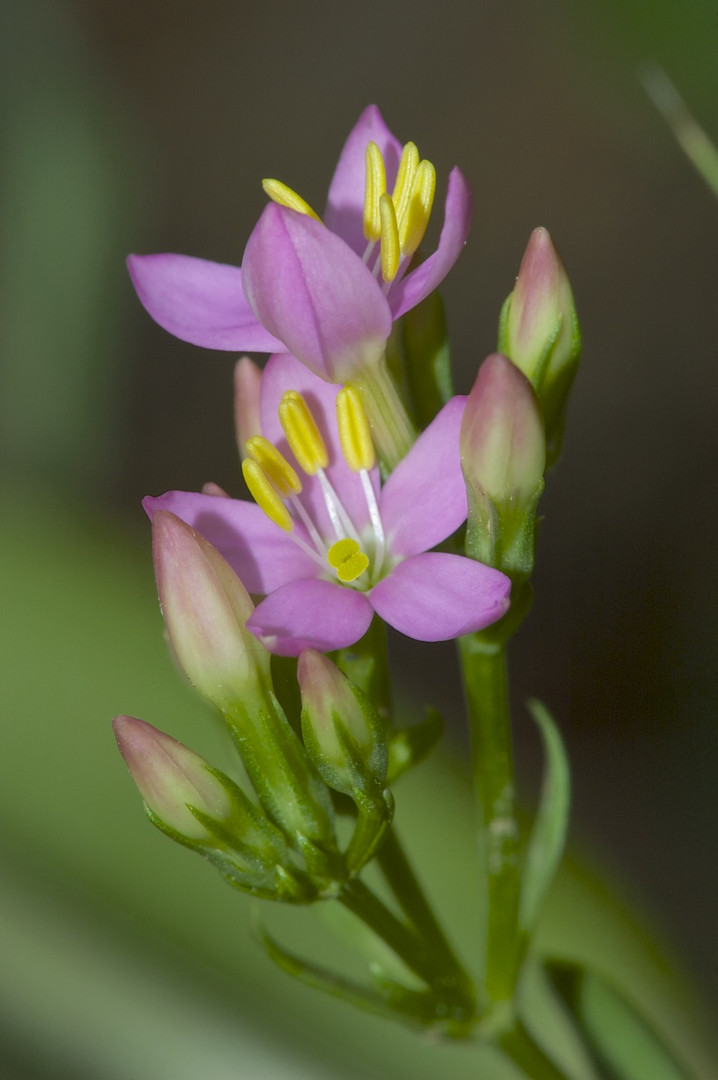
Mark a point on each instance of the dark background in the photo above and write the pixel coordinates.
(148, 126)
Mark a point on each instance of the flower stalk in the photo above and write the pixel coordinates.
(485, 675)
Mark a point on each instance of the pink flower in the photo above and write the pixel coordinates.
(314, 288)
(353, 548)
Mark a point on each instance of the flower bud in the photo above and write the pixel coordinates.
(247, 382)
(539, 331)
(200, 807)
(343, 734)
(503, 457)
(346, 741)
(172, 779)
(205, 607)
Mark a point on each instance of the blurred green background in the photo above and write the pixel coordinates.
(147, 127)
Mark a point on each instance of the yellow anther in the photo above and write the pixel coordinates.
(404, 186)
(374, 188)
(274, 465)
(390, 249)
(280, 193)
(354, 433)
(348, 559)
(413, 225)
(302, 432)
(264, 494)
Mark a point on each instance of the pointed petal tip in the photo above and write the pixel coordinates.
(198, 301)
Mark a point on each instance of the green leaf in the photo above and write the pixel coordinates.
(389, 1000)
(623, 1043)
(548, 837)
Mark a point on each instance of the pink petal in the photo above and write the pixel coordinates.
(284, 372)
(199, 301)
(345, 205)
(424, 499)
(261, 554)
(435, 597)
(310, 614)
(458, 209)
(310, 290)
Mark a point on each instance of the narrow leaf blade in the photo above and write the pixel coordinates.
(548, 837)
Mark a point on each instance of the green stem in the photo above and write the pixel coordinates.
(400, 878)
(486, 684)
(403, 940)
(519, 1045)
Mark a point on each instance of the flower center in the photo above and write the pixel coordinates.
(348, 559)
(394, 225)
(275, 486)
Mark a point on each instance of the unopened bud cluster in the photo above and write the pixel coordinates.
(284, 845)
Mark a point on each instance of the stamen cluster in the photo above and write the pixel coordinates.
(394, 225)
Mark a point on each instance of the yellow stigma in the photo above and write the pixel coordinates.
(374, 188)
(274, 465)
(390, 249)
(412, 225)
(280, 193)
(302, 432)
(404, 186)
(265, 496)
(354, 433)
(348, 559)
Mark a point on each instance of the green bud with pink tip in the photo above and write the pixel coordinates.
(346, 742)
(539, 331)
(503, 458)
(203, 809)
(205, 608)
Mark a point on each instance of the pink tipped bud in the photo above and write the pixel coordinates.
(503, 457)
(342, 732)
(205, 607)
(171, 778)
(503, 450)
(539, 331)
(247, 382)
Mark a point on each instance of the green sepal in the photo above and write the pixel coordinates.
(242, 866)
(408, 746)
(502, 344)
(556, 405)
(361, 777)
(285, 884)
(548, 836)
(373, 821)
(426, 358)
(326, 867)
(553, 392)
(287, 785)
(502, 536)
(623, 1044)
